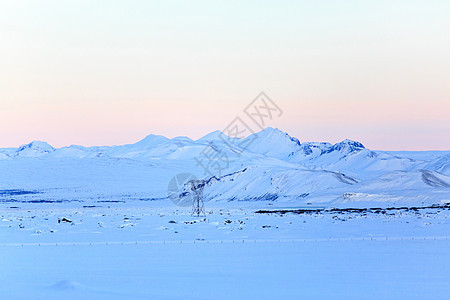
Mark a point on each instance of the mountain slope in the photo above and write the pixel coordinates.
(267, 166)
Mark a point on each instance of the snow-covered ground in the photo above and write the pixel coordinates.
(122, 223)
(119, 251)
(100, 222)
(327, 270)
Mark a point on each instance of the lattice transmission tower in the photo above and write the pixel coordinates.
(197, 187)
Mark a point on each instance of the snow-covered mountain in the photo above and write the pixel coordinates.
(269, 165)
(34, 149)
(273, 142)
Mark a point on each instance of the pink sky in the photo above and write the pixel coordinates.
(389, 125)
(74, 73)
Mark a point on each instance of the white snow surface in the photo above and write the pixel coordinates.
(123, 251)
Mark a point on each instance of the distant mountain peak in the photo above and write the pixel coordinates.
(152, 136)
(213, 136)
(35, 148)
(271, 129)
(270, 133)
(36, 145)
(152, 139)
(273, 142)
(348, 145)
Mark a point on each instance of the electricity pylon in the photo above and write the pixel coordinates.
(197, 187)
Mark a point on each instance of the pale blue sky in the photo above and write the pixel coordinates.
(111, 72)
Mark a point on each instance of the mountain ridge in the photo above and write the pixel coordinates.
(278, 167)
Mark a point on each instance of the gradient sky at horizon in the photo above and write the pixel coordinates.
(111, 72)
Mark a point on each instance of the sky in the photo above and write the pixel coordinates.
(111, 72)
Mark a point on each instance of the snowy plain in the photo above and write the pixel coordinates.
(98, 223)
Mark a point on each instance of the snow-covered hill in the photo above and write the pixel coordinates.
(34, 149)
(270, 165)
